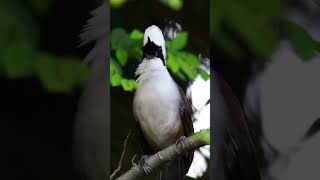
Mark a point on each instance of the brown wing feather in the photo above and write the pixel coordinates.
(186, 112)
(239, 152)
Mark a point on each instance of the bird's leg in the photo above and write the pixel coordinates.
(145, 166)
(180, 144)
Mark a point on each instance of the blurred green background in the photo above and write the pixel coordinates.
(41, 78)
(246, 32)
(245, 36)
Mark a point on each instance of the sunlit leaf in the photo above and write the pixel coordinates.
(186, 68)
(115, 80)
(191, 59)
(204, 74)
(117, 3)
(115, 67)
(128, 85)
(179, 42)
(136, 35)
(172, 63)
(173, 4)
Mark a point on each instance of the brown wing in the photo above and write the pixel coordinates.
(235, 155)
(186, 112)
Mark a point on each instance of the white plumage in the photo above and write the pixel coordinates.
(156, 103)
(157, 98)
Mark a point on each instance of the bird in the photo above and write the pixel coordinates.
(161, 109)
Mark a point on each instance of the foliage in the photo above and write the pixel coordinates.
(253, 22)
(173, 4)
(302, 42)
(20, 57)
(128, 46)
(57, 75)
(117, 3)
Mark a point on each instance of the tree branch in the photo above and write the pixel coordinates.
(166, 155)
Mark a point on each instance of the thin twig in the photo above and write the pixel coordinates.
(121, 158)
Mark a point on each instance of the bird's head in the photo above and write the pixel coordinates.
(154, 44)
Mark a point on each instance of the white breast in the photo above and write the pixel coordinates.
(156, 104)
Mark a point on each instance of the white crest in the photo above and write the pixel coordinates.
(156, 36)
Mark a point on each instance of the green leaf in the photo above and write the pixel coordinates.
(191, 59)
(172, 63)
(301, 41)
(203, 73)
(186, 68)
(128, 85)
(188, 63)
(122, 56)
(115, 67)
(136, 35)
(133, 83)
(117, 3)
(115, 80)
(120, 39)
(179, 42)
(173, 4)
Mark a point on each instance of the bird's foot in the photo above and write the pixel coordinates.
(180, 144)
(145, 166)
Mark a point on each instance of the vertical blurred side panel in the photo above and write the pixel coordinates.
(92, 122)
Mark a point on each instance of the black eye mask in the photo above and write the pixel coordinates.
(152, 50)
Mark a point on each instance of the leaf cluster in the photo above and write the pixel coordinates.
(20, 56)
(128, 46)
